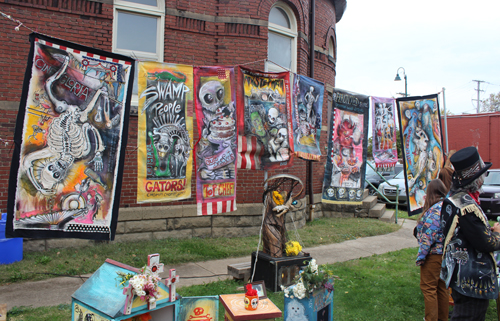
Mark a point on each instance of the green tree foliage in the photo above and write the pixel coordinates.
(491, 104)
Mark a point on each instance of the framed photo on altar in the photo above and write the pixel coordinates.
(260, 286)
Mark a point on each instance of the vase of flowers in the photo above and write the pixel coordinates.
(144, 285)
(311, 296)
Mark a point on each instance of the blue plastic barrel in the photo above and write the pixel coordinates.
(11, 250)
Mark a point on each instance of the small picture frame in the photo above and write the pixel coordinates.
(260, 286)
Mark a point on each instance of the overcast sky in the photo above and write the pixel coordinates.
(439, 43)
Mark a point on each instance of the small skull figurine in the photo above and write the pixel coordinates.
(341, 192)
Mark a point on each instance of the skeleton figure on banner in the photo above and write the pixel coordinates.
(70, 135)
(168, 139)
(347, 149)
(422, 148)
(215, 153)
(307, 118)
(384, 129)
(270, 127)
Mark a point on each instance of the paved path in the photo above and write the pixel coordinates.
(57, 291)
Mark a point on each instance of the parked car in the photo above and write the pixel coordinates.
(390, 192)
(490, 197)
(372, 177)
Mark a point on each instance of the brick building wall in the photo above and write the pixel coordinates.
(479, 130)
(197, 32)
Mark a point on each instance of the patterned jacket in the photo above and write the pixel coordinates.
(429, 234)
(468, 265)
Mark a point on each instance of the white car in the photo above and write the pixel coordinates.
(390, 191)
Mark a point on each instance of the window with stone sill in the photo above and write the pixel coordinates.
(282, 39)
(138, 30)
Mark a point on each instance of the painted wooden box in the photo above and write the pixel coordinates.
(318, 307)
(100, 298)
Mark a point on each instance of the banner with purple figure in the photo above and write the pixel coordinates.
(307, 109)
(71, 134)
(421, 146)
(347, 147)
(385, 151)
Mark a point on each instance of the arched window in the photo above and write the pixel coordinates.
(282, 39)
(331, 49)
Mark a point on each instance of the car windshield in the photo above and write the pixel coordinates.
(493, 178)
(401, 175)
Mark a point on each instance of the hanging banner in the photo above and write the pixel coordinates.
(165, 134)
(345, 167)
(307, 102)
(265, 136)
(70, 135)
(421, 146)
(216, 150)
(385, 151)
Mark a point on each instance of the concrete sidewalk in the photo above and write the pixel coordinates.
(57, 291)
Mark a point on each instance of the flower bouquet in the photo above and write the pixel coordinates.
(144, 285)
(312, 278)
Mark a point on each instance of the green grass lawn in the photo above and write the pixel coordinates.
(43, 265)
(380, 287)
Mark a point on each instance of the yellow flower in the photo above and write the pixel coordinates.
(277, 198)
(293, 248)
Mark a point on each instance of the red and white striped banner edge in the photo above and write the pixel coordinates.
(53, 45)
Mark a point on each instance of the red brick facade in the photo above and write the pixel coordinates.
(479, 130)
(197, 32)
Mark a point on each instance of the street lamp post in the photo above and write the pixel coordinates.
(398, 79)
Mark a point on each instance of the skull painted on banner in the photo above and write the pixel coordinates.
(341, 192)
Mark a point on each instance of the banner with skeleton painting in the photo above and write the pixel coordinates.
(422, 147)
(385, 151)
(347, 145)
(215, 103)
(265, 136)
(165, 134)
(71, 134)
(307, 106)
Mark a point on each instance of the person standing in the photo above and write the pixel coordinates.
(468, 265)
(430, 251)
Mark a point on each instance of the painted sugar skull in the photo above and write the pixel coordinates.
(352, 194)
(330, 192)
(359, 194)
(254, 302)
(341, 192)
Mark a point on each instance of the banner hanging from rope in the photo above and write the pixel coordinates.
(307, 103)
(385, 151)
(421, 146)
(165, 138)
(216, 150)
(347, 147)
(265, 139)
(71, 134)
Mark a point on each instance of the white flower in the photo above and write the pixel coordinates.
(299, 290)
(313, 266)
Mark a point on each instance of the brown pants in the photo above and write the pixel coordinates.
(434, 289)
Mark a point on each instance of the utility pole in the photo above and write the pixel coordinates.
(478, 92)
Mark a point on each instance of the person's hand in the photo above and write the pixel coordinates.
(496, 228)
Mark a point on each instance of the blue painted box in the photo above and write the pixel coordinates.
(318, 307)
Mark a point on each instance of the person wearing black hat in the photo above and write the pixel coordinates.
(468, 265)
